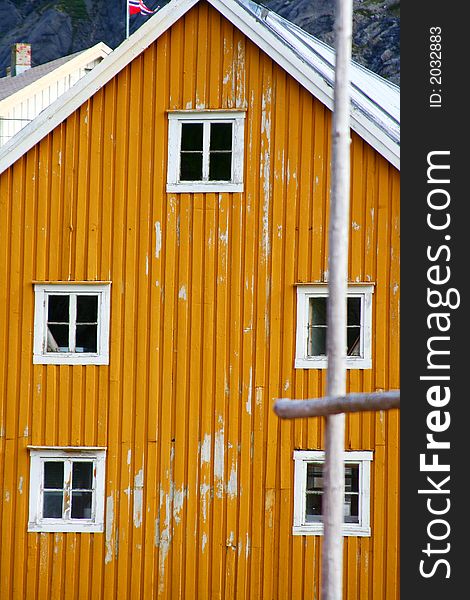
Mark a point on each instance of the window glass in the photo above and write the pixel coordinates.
(191, 151)
(191, 136)
(314, 493)
(191, 166)
(52, 506)
(82, 475)
(221, 136)
(220, 166)
(81, 505)
(53, 475)
(58, 310)
(354, 327)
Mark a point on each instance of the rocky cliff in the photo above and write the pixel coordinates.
(57, 28)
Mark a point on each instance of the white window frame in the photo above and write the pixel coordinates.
(40, 354)
(175, 120)
(305, 361)
(39, 455)
(301, 459)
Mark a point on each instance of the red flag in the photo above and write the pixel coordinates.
(137, 6)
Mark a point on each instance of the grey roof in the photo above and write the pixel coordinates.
(371, 95)
(11, 85)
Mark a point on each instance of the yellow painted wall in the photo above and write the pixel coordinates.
(199, 490)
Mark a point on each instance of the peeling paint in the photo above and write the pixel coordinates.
(138, 497)
(182, 293)
(26, 431)
(203, 542)
(250, 393)
(158, 239)
(129, 454)
(219, 456)
(109, 529)
(204, 490)
(146, 265)
(232, 484)
(178, 500)
(205, 449)
(269, 506)
(286, 385)
(395, 288)
(355, 226)
(20, 485)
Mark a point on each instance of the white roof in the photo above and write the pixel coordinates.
(375, 102)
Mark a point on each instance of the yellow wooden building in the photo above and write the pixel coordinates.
(163, 271)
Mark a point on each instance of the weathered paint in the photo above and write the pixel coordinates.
(199, 470)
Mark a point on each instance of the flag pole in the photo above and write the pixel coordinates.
(127, 19)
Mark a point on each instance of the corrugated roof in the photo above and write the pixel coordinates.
(373, 96)
(11, 85)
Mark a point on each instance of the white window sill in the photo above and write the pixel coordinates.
(64, 526)
(317, 529)
(322, 363)
(189, 187)
(64, 358)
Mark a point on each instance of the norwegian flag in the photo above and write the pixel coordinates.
(137, 6)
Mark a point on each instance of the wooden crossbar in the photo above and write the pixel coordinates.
(332, 405)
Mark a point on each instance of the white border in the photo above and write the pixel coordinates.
(304, 293)
(40, 357)
(301, 458)
(36, 523)
(175, 118)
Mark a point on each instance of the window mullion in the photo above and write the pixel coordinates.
(205, 150)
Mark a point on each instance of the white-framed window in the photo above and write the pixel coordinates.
(71, 324)
(205, 151)
(308, 492)
(312, 327)
(67, 489)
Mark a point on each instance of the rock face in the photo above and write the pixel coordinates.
(57, 28)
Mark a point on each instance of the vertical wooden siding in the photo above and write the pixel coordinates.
(199, 483)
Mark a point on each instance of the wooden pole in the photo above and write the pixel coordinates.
(332, 553)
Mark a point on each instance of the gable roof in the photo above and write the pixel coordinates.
(374, 101)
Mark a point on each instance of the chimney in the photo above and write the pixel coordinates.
(20, 58)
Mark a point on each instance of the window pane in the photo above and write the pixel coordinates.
(58, 338)
(191, 166)
(317, 311)
(354, 311)
(81, 505)
(86, 338)
(351, 509)
(53, 475)
(317, 341)
(220, 166)
(82, 475)
(191, 136)
(314, 476)
(221, 136)
(52, 506)
(58, 309)
(87, 309)
(354, 341)
(313, 507)
(351, 481)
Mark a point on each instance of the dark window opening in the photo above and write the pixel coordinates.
(314, 493)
